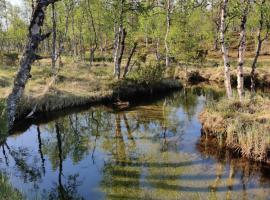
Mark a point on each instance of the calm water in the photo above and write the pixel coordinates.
(151, 151)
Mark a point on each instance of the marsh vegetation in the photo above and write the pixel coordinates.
(122, 99)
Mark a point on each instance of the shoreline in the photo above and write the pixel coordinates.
(125, 90)
(246, 131)
(216, 74)
(213, 123)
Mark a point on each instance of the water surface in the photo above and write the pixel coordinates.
(151, 151)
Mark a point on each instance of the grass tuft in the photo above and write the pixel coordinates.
(245, 125)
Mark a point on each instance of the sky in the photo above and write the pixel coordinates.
(15, 2)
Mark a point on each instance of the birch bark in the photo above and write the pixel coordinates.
(53, 38)
(28, 58)
(168, 26)
(241, 51)
(227, 75)
(119, 38)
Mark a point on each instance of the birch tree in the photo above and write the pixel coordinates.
(241, 49)
(91, 24)
(264, 26)
(53, 38)
(119, 34)
(227, 74)
(168, 26)
(29, 57)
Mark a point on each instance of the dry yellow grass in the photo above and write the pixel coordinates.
(245, 125)
(76, 84)
(216, 75)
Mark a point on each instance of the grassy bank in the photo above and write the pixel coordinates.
(78, 84)
(243, 126)
(212, 69)
(216, 75)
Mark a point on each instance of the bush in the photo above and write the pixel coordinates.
(100, 58)
(103, 58)
(9, 58)
(149, 74)
(141, 56)
(194, 77)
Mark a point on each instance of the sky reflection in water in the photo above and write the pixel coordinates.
(151, 151)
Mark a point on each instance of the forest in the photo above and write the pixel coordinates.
(154, 99)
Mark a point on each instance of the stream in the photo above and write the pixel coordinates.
(153, 150)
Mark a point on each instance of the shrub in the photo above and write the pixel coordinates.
(10, 58)
(141, 56)
(149, 74)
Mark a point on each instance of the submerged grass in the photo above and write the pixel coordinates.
(244, 125)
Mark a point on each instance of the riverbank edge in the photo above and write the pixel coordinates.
(215, 124)
(123, 90)
(216, 75)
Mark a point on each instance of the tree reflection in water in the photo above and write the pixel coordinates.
(147, 152)
(69, 189)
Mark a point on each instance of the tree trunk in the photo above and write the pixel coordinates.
(227, 75)
(254, 63)
(122, 49)
(53, 38)
(115, 40)
(74, 41)
(241, 51)
(32, 6)
(157, 50)
(216, 47)
(129, 59)
(168, 21)
(117, 51)
(260, 41)
(92, 48)
(28, 58)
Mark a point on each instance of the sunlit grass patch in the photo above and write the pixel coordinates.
(76, 84)
(245, 124)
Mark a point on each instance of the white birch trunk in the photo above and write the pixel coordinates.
(118, 42)
(53, 39)
(241, 51)
(168, 21)
(29, 56)
(227, 75)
